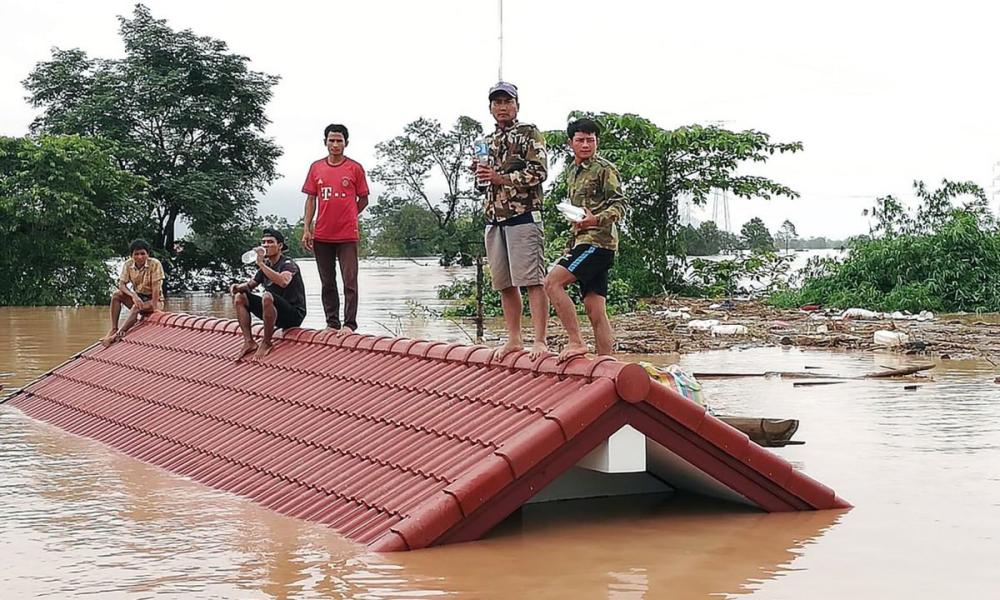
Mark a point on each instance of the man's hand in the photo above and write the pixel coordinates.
(236, 288)
(588, 222)
(307, 240)
(488, 173)
(260, 256)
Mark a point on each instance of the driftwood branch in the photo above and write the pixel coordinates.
(782, 374)
(889, 372)
(898, 372)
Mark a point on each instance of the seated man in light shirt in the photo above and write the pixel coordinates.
(145, 276)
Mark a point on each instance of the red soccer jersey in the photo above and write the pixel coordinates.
(337, 189)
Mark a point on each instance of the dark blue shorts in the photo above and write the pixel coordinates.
(590, 265)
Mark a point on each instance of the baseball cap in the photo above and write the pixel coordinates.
(278, 237)
(502, 87)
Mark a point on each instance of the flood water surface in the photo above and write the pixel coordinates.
(921, 467)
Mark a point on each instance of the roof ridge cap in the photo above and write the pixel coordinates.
(631, 380)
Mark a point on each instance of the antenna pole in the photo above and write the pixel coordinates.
(500, 40)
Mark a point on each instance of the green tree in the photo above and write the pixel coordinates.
(705, 240)
(786, 234)
(658, 166)
(935, 208)
(184, 112)
(65, 210)
(402, 227)
(425, 154)
(729, 242)
(756, 236)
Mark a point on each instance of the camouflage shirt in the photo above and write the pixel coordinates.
(517, 152)
(595, 184)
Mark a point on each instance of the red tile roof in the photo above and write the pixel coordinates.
(395, 443)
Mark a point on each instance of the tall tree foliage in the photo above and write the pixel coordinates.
(402, 227)
(658, 166)
(184, 112)
(429, 166)
(786, 234)
(756, 237)
(708, 239)
(65, 210)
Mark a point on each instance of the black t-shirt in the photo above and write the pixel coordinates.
(295, 292)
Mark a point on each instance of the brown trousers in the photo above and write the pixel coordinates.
(328, 254)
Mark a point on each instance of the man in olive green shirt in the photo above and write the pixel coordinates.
(592, 184)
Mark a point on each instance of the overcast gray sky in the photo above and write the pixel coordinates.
(880, 93)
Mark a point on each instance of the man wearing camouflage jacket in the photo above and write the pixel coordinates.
(515, 240)
(593, 184)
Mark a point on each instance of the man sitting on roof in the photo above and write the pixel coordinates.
(145, 274)
(283, 303)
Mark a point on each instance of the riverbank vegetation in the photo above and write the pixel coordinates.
(943, 257)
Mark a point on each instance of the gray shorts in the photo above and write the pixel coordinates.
(516, 254)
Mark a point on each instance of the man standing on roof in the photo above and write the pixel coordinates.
(337, 184)
(515, 240)
(593, 184)
(145, 276)
(283, 303)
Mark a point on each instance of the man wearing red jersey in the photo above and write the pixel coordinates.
(336, 193)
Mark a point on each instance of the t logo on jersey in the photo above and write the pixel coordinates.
(326, 192)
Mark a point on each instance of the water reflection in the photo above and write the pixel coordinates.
(639, 547)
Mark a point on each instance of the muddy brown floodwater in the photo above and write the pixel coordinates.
(921, 467)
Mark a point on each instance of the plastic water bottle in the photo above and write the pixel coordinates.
(481, 150)
(250, 256)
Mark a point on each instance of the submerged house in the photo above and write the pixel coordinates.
(401, 444)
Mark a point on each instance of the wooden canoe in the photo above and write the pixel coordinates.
(769, 433)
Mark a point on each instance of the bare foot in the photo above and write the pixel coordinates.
(344, 331)
(262, 350)
(537, 349)
(500, 353)
(571, 351)
(248, 347)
